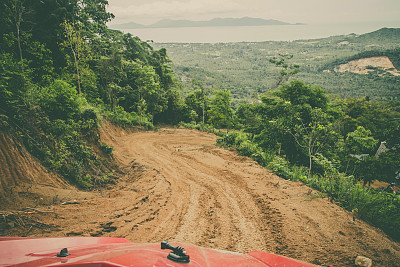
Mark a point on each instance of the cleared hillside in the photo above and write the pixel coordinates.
(368, 65)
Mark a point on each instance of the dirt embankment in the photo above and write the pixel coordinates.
(24, 182)
(179, 186)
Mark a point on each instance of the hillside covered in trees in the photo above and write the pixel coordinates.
(62, 69)
(245, 70)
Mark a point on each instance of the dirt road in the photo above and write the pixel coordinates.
(179, 186)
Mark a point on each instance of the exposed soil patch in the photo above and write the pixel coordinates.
(366, 65)
(179, 186)
(24, 182)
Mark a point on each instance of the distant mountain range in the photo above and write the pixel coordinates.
(217, 22)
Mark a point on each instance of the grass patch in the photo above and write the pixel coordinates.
(380, 209)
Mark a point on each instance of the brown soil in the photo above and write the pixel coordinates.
(24, 182)
(361, 66)
(179, 186)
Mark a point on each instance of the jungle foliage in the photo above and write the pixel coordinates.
(62, 69)
(333, 145)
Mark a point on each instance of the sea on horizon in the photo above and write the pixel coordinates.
(256, 33)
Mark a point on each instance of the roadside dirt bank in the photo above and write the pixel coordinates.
(179, 186)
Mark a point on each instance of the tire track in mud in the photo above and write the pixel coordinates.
(207, 205)
(180, 187)
(220, 200)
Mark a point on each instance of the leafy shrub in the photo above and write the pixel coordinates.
(3, 121)
(322, 165)
(201, 127)
(233, 139)
(122, 118)
(281, 167)
(247, 148)
(263, 158)
(106, 148)
(241, 137)
(89, 114)
(381, 209)
(59, 100)
(66, 151)
(58, 134)
(229, 139)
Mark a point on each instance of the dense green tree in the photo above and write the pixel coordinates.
(296, 121)
(160, 61)
(299, 93)
(60, 66)
(13, 84)
(14, 14)
(110, 71)
(220, 112)
(145, 81)
(360, 142)
(175, 110)
(389, 160)
(78, 48)
(375, 116)
(198, 102)
(388, 169)
(246, 117)
(275, 116)
(314, 136)
(60, 100)
(200, 86)
(93, 15)
(135, 49)
(299, 122)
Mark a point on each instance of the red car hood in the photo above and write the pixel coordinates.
(107, 251)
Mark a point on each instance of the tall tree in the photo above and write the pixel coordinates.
(286, 69)
(197, 102)
(220, 112)
(14, 14)
(143, 80)
(315, 135)
(110, 71)
(77, 45)
(94, 16)
(200, 85)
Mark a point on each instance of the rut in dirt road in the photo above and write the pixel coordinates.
(198, 193)
(178, 186)
(206, 203)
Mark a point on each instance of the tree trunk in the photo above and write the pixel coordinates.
(203, 109)
(18, 18)
(19, 44)
(77, 70)
(141, 108)
(310, 158)
(110, 96)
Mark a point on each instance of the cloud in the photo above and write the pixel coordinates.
(176, 8)
(307, 11)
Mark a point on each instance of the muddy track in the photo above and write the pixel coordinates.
(179, 186)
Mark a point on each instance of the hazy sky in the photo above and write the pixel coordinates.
(304, 11)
